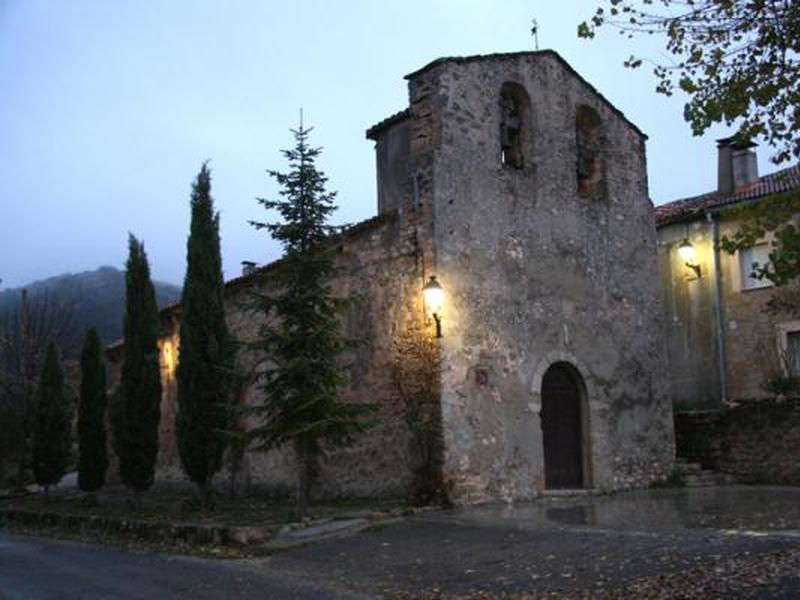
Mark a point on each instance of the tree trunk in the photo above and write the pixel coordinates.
(232, 484)
(20, 481)
(205, 496)
(304, 475)
(235, 463)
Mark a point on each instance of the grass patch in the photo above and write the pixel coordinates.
(374, 528)
(116, 521)
(675, 479)
(159, 506)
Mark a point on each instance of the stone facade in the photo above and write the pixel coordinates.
(524, 191)
(537, 273)
(723, 343)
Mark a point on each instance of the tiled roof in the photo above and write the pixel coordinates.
(687, 209)
(372, 132)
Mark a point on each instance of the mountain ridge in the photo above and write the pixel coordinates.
(97, 298)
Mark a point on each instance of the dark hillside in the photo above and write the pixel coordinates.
(96, 299)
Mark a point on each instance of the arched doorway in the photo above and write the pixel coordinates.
(562, 396)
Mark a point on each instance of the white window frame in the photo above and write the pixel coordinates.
(746, 282)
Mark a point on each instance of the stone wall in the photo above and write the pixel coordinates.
(380, 262)
(535, 274)
(757, 442)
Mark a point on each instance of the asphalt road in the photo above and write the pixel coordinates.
(724, 542)
(33, 568)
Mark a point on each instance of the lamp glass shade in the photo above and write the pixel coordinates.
(686, 251)
(433, 295)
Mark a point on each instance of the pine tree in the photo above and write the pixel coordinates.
(92, 454)
(51, 436)
(204, 367)
(140, 383)
(301, 402)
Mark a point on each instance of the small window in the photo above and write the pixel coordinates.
(514, 111)
(589, 151)
(792, 358)
(788, 338)
(748, 259)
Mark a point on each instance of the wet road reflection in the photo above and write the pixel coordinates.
(735, 507)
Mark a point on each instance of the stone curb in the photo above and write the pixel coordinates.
(192, 533)
(273, 537)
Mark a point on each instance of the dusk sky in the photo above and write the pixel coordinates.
(108, 109)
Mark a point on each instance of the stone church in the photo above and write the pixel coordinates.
(523, 192)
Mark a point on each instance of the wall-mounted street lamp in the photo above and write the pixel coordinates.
(433, 295)
(687, 253)
(168, 361)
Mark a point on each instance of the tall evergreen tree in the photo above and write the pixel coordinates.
(204, 366)
(301, 337)
(140, 383)
(92, 454)
(51, 436)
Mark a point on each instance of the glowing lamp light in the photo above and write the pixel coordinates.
(687, 253)
(433, 295)
(169, 358)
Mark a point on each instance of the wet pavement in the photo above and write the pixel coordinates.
(566, 544)
(734, 508)
(735, 541)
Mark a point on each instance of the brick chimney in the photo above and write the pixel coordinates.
(248, 267)
(737, 166)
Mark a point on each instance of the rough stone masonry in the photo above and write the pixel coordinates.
(524, 191)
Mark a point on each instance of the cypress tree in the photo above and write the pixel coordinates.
(92, 454)
(140, 382)
(301, 400)
(51, 436)
(204, 366)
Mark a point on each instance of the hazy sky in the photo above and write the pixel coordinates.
(108, 108)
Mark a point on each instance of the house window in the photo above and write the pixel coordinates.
(789, 347)
(748, 258)
(588, 150)
(792, 358)
(514, 113)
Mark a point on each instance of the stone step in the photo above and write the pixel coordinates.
(697, 476)
(688, 467)
(707, 478)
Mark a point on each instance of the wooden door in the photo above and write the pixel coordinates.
(561, 428)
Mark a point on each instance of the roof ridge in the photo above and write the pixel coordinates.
(682, 209)
(372, 132)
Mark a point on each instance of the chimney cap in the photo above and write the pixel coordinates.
(734, 142)
(248, 267)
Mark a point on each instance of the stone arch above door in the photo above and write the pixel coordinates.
(546, 362)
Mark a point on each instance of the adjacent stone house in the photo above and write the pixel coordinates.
(722, 343)
(524, 192)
